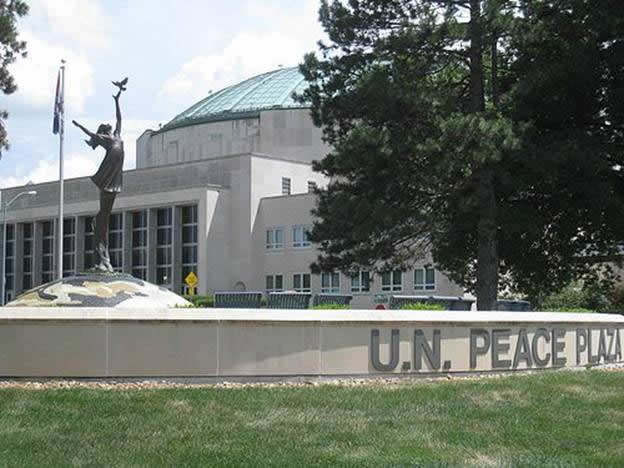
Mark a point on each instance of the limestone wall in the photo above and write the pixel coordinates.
(76, 342)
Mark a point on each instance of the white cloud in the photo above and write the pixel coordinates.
(79, 163)
(82, 21)
(74, 165)
(36, 77)
(249, 53)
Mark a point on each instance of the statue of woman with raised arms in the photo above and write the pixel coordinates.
(108, 178)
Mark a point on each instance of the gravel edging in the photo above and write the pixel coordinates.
(151, 384)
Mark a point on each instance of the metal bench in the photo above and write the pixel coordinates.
(288, 300)
(448, 302)
(238, 299)
(325, 299)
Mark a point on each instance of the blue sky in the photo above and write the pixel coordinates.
(174, 53)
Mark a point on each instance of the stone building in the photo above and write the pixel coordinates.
(222, 190)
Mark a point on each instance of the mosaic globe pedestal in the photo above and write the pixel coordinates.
(91, 289)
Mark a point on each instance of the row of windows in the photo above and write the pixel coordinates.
(287, 185)
(275, 237)
(139, 242)
(424, 280)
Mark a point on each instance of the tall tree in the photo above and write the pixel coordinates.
(432, 110)
(10, 48)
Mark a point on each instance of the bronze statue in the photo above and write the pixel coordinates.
(108, 178)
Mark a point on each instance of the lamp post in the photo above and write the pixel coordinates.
(4, 227)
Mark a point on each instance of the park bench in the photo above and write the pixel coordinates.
(288, 300)
(448, 302)
(238, 299)
(338, 299)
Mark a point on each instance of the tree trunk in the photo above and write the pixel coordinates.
(487, 250)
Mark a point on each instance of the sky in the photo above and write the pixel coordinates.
(174, 53)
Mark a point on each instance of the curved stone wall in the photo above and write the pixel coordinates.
(83, 342)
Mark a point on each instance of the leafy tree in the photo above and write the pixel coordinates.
(10, 48)
(488, 131)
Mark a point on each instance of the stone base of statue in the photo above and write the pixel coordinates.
(91, 289)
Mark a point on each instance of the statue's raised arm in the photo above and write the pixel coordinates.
(118, 114)
(122, 87)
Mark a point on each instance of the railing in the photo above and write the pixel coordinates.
(238, 299)
(287, 300)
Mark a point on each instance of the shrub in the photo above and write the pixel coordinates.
(330, 306)
(422, 306)
(201, 301)
(579, 310)
(576, 297)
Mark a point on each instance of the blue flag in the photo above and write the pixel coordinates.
(58, 106)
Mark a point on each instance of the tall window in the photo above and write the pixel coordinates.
(47, 250)
(139, 244)
(115, 241)
(301, 282)
(89, 259)
(274, 283)
(300, 237)
(360, 282)
(311, 186)
(330, 283)
(285, 185)
(27, 262)
(275, 238)
(189, 242)
(69, 247)
(9, 263)
(392, 281)
(164, 247)
(424, 279)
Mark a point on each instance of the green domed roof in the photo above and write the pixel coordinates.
(271, 90)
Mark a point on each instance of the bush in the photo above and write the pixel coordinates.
(576, 298)
(579, 310)
(201, 301)
(422, 306)
(330, 306)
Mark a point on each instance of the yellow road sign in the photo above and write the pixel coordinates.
(191, 280)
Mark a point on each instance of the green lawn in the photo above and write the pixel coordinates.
(550, 419)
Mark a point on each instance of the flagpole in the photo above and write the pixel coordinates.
(61, 178)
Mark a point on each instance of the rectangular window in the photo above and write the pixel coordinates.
(392, 281)
(360, 282)
(330, 283)
(139, 244)
(301, 282)
(9, 263)
(311, 186)
(300, 237)
(164, 247)
(189, 243)
(27, 262)
(89, 260)
(115, 241)
(285, 185)
(47, 248)
(69, 247)
(275, 238)
(424, 279)
(274, 283)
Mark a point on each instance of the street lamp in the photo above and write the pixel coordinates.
(4, 224)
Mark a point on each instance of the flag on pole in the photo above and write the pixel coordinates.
(58, 106)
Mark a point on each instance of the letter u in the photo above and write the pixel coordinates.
(394, 351)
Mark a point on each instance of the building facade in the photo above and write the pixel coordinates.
(223, 190)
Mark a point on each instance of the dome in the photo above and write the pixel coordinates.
(271, 90)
